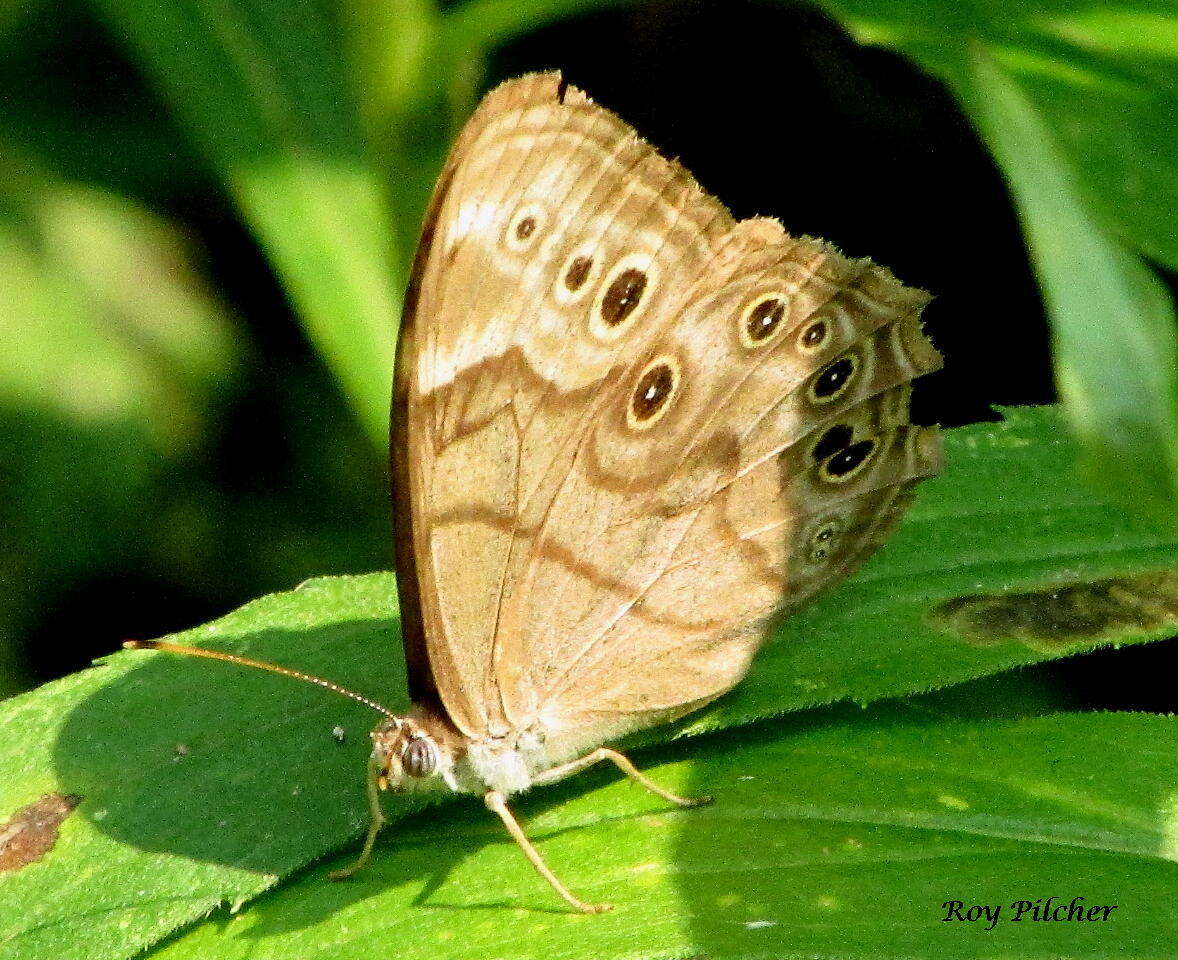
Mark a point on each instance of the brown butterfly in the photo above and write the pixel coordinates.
(627, 432)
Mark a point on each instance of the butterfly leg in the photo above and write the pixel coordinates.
(623, 764)
(374, 824)
(494, 800)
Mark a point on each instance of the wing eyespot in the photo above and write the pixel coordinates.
(848, 462)
(577, 275)
(833, 380)
(833, 439)
(622, 296)
(814, 336)
(823, 541)
(653, 392)
(761, 319)
(524, 227)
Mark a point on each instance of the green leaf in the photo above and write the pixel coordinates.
(841, 835)
(261, 87)
(1075, 104)
(198, 786)
(1116, 337)
(112, 133)
(205, 784)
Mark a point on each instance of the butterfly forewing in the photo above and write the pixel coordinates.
(631, 429)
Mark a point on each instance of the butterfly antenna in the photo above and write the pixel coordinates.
(261, 665)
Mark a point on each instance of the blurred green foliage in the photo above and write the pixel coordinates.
(115, 351)
(315, 128)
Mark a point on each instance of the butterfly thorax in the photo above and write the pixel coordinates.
(506, 764)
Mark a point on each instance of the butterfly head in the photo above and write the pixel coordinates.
(410, 753)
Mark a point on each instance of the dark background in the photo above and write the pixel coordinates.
(775, 110)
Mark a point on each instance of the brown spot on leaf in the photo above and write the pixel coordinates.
(31, 832)
(1057, 617)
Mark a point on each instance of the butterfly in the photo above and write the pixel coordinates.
(628, 432)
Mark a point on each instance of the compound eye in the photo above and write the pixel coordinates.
(419, 758)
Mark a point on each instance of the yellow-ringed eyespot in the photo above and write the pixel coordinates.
(832, 440)
(762, 318)
(575, 278)
(824, 539)
(814, 336)
(653, 392)
(525, 226)
(848, 462)
(622, 296)
(833, 380)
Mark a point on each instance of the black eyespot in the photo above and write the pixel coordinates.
(525, 228)
(822, 541)
(813, 336)
(578, 273)
(652, 392)
(849, 459)
(834, 440)
(419, 758)
(833, 378)
(763, 319)
(622, 297)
